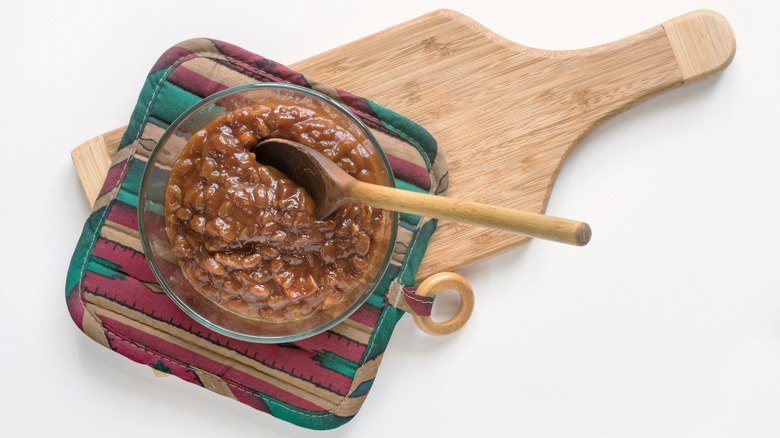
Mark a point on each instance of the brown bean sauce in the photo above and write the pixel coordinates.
(246, 236)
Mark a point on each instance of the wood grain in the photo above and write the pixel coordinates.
(506, 116)
(702, 42)
(92, 160)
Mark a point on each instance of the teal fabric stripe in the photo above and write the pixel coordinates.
(376, 300)
(362, 389)
(417, 251)
(127, 198)
(336, 363)
(106, 268)
(311, 420)
(381, 290)
(382, 332)
(169, 102)
(401, 184)
(409, 220)
(132, 181)
(132, 199)
(137, 118)
(172, 101)
(161, 367)
(83, 248)
(103, 271)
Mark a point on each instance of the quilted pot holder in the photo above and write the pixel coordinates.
(319, 382)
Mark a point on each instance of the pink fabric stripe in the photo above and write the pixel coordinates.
(130, 262)
(367, 315)
(260, 63)
(333, 343)
(410, 172)
(113, 177)
(194, 82)
(169, 57)
(123, 214)
(356, 103)
(420, 305)
(135, 295)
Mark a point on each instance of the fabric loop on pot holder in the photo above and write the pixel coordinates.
(418, 300)
(405, 298)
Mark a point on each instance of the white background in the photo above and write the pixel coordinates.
(666, 325)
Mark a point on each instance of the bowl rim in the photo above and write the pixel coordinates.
(145, 181)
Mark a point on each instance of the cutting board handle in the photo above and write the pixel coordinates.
(703, 43)
(594, 84)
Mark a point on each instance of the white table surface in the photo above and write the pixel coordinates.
(666, 325)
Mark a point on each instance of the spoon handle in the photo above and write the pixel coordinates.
(457, 210)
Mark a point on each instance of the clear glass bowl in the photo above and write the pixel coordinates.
(157, 247)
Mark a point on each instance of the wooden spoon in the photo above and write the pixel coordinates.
(331, 187)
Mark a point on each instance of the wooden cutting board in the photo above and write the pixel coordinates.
(506, 116)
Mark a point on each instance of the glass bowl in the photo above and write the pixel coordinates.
(157, 246)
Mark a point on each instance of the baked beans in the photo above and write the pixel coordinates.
(246, 236)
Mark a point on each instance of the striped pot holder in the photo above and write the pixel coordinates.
(319, 382)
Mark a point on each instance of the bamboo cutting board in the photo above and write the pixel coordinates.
(506, 116)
